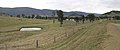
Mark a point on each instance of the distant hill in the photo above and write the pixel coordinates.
(3, 14)
(112, 13)
(29, 11)
(77, 13)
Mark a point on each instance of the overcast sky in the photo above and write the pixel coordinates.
(93, 6)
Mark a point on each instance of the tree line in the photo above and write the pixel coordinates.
(58, 14)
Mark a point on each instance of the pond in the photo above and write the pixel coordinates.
(30, 29)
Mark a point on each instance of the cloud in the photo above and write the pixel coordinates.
(94, 6)
(115, 4)
(73, 4)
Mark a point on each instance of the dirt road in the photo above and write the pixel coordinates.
(113, 43)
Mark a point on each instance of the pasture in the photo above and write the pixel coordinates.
(87, 36)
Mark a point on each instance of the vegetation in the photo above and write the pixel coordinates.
(83, 18)
(60, 17)
(77, 20)
(117, 17)
(91, 17)
(54, 13)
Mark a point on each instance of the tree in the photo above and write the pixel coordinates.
(23, 15)
(77, 20)
(46, 17)
(11, 15)
(91, 17)
(33, 16)
(53, 14)
(117, 17)
(28, 17)
(38, 17)
(60, 17)
(83, 18)
(18, 16)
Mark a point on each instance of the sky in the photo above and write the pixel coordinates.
(92, 6)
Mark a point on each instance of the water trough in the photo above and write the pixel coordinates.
(30, 28)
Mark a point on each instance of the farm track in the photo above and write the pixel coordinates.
(69, 40)
(113, 43)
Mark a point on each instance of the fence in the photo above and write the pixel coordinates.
(43, 43)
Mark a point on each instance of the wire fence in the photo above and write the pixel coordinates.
(37, 43)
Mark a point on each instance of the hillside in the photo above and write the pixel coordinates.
(112, 13)
(28, 11)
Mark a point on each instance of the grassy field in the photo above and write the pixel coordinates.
(87, 36)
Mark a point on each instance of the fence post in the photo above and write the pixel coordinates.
(66, 34)
(37, 44)
(54, 39)
(73, 31)
(6, 47)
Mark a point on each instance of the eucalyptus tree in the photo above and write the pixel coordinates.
(91, 17)
(83, 18)
(77, 20)
(60, 17)
(53, 15)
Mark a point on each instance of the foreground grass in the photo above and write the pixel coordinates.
(89, 38)
(9, 27)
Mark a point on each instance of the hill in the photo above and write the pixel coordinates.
(112, 13)
(28, 11)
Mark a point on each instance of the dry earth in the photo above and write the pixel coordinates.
(113, 43)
